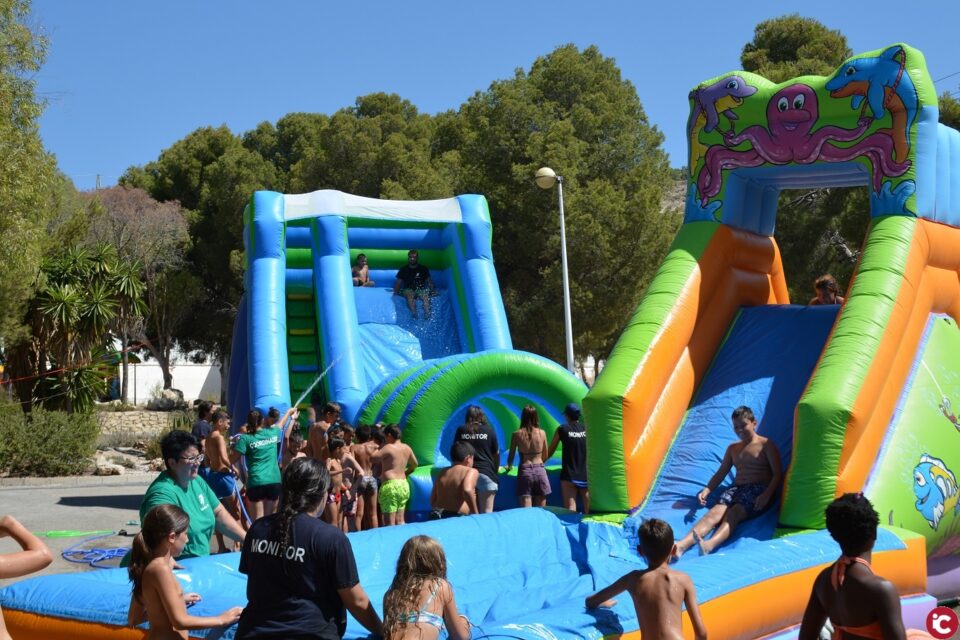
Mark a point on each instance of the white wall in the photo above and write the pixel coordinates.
(194, 380)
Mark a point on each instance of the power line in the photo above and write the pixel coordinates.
(955, 73)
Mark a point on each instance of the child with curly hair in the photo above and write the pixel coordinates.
(420, 601)
(860, 603)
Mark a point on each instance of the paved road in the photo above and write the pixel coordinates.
(81, 504)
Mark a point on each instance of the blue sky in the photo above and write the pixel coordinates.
(125, 79)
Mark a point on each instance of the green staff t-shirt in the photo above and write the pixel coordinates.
(260, 449)
(198, 501)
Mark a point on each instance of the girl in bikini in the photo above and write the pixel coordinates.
(157, 595)
(420, 601)
(859, 603)
(533, 486)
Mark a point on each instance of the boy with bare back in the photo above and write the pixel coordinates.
(366, 486)
(454, 489)
(659, 591)
(317, 435)
(221, 476)
(396, 463)
(758, 470)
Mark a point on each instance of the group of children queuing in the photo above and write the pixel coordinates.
(369, 465)
(358, 461)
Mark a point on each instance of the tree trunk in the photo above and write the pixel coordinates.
(167, 376)
(162, 356)
(124, 367)
(224, 379)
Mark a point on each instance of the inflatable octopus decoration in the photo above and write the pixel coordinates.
(791, 115)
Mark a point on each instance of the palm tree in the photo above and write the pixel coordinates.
(128, 287)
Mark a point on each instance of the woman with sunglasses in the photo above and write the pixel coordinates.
(180, 485)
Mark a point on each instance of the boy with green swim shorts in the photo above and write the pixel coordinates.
(396, 461)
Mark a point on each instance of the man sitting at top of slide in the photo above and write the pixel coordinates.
(413, 280)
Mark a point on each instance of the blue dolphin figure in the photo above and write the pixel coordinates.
(885, 83)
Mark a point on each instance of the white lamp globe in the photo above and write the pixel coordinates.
(545, 178)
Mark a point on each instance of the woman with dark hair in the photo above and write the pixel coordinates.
(301, 573)
(486, 458)
(180, 485)
(860, 603)
(827, 290)
(533, 486)
(573, 472)
(259, 446)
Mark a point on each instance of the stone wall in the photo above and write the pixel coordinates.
(128, 427)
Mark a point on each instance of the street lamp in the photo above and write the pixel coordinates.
(545, 179)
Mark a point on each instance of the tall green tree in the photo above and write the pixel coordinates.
(381, 147)
(791, 46)
(295, 139)
(949, 110)
(26, 169)
(574, 112)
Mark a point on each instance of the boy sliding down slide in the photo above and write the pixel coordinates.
(757, 462)
(659, 591)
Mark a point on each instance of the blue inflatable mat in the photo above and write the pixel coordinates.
(522, 573)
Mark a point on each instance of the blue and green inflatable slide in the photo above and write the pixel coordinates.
(301, 318)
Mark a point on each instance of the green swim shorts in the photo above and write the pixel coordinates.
(394, 495)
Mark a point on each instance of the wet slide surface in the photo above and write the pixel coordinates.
(765, 362)
(391, 339)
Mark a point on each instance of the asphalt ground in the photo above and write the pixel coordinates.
(78, 504)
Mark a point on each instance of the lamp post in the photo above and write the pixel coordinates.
(545, 179)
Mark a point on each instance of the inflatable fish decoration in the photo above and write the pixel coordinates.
(935, 487)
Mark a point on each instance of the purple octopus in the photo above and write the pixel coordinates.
(791, 114)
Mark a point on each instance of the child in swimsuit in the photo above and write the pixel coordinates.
(157, 596)
(758, 468)
(657, 592)
(533, 486)
(420, 601)
(859, 603)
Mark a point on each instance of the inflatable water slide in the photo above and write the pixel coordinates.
(859, 397)
(301, 323)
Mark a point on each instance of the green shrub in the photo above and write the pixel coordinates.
(46, 443)
(180, 420)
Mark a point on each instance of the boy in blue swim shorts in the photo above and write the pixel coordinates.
(758, 471)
